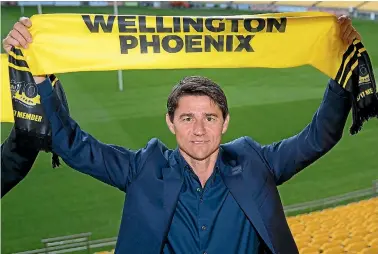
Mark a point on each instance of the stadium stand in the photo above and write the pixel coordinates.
(255, 2)
(358, 5)
(351, 228)
(340, 4)
(105, 252)
(369, 6)
(361, 9)
(297, 3)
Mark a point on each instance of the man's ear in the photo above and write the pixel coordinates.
(171, 127)
(225, 124)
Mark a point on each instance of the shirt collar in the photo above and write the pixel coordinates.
(184, 166)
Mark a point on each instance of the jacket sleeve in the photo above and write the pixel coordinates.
(111, 164)
(289, 156)
(16, 162)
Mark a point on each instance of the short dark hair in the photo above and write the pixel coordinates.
(197, 86)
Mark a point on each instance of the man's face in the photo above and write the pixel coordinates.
(198, 125)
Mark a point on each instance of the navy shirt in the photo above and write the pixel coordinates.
(208, 220)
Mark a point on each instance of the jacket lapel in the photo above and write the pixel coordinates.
(244, 188)
(173, 181)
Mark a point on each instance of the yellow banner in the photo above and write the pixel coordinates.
(87, 42)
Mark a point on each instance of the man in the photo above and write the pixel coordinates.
(16, 162)
(202, 197)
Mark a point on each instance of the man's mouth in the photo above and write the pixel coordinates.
(200, 142)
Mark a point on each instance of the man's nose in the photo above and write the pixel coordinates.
(199, 128)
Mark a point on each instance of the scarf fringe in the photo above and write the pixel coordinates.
(362, 115)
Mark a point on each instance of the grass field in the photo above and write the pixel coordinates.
(267, 104)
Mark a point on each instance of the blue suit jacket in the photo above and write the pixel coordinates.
(152, 178)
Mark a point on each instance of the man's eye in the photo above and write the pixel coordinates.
(187, 119)
(210, 118)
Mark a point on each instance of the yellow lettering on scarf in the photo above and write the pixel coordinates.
(27, 116)
(157, 34)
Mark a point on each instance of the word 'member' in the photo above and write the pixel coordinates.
(154, 34)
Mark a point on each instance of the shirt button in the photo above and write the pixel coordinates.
(201, 200)
(204, 252)
(199, 189)
(203, 227)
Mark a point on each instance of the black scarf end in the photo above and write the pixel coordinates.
(363, 115)
(30, 140)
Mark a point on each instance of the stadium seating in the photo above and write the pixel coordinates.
(105, 252)
(371, 250)
(339, 4)
(296, 3)
(359, 5)
(369, 6)
(366, 6)
(255, 2)
(351, 228)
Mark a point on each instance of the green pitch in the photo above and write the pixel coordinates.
(267, 104)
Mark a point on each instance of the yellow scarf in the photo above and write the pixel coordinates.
(74, 42)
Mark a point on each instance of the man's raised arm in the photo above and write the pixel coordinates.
(110, 164)
(289, 156)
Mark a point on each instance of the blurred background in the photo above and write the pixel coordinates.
(266, 104)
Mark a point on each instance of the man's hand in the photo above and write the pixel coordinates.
(20, 36)
(347, 32)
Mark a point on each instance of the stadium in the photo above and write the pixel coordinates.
(331, 207)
